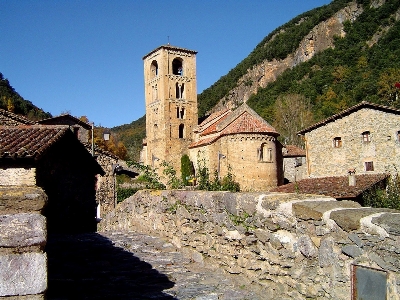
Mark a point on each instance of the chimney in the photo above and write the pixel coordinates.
(352, 177)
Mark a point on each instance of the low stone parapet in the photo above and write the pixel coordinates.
(23, 235)
(297, 246)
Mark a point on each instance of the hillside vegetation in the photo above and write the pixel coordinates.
(10, 100)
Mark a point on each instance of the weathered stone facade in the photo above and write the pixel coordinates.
(23, 235)
(171, 104)
(18, 176)
(364, 137)
(295, 246)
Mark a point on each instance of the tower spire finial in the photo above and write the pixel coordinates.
(168, 40)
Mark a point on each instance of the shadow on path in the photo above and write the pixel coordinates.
(88, 266)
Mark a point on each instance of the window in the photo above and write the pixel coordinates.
(369, 166)
(366, 137)
(398, 136)
(180, 113)
(264, 154)
(337, 142)
(181, 131)
(177, 67)
(154, 68)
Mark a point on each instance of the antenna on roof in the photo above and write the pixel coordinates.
(168, 40)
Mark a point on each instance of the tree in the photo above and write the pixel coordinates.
(187, 169)
(387, 90)
(292, 113)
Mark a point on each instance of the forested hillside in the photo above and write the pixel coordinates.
(362, 64)
(10, 100)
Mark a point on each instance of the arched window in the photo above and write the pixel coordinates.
(264, 153)
(154, 68)
(181, 131)
(177, 67)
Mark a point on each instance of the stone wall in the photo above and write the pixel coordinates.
(106, 185)
(296, 246)
(23, 234)
(18, 176)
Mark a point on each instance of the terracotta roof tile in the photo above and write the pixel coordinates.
(336, 187)
(18, 118)
(246, 123)
(293, 151)
(28, 141)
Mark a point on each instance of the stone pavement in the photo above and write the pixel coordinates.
(127, 265)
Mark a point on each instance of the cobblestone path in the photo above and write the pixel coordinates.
(126, 265)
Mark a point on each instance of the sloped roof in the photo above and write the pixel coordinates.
(241, 120)
(336, 187)
(28, 141)
(346, 112)
(170, 47)
(18, 118)
(65, 119)
(293, 151)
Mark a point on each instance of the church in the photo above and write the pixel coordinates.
(237, 141)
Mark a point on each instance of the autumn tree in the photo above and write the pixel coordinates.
(388, 91)
(292, 113)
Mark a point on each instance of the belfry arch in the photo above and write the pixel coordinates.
(154, 68)
(177, 66)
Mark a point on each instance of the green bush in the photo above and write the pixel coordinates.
(123, 193)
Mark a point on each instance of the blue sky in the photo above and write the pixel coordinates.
(85, 57)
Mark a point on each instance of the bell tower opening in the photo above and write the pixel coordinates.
(177, 68)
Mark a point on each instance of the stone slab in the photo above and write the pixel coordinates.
(23, 274)
(313, 210)
(389, 222)
(21, 199)
(21, 230)
(349, 219)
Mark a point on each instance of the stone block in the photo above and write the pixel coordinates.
(389, 222)
(349, 219)
(21, 230)
(313, 210)
(21, 199)
(23, 274)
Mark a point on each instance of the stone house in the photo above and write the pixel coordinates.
(364, 138)
(294, 161)
(80, 128)
(106, 184)
(239, 141)
(51, 157)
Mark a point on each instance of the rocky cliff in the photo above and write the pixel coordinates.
(321, 37)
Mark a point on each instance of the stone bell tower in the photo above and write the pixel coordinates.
(171, 104)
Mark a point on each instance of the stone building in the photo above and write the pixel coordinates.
(106, 184)
(80, 128)
(239, 140)
(51, 157)
(294, 161)
(242, 143)
(171, 104)
(364, 138)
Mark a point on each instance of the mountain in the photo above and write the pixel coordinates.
(10, 100)
(322, 62)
